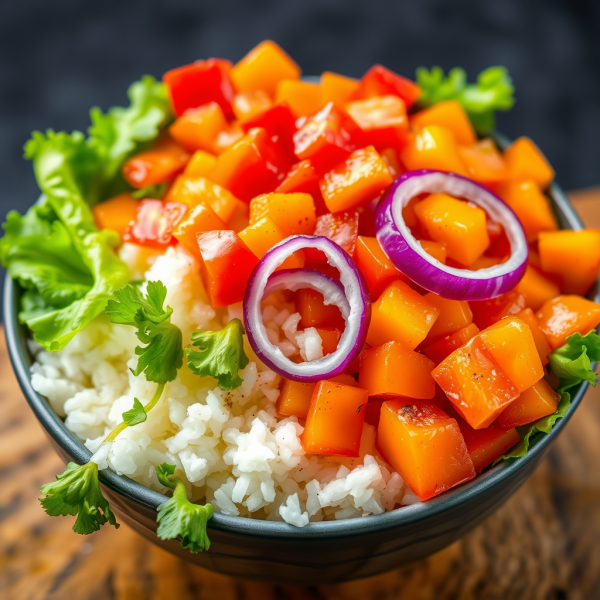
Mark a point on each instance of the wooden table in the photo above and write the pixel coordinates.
(544, 543)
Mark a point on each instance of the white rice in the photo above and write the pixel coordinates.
(230, 448)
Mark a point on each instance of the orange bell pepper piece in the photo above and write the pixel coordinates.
(488, 312)
(263, 68)
(303, 177)
(356, 181)
(536, 288)
(335, 419)
(330, 337)
(475, 383)
(565, 315)
(198, 128)
(572, 255)
(433, 147)
(450, 115)
(459, 225)
(337, 88)
(439, 350)
(438, 250)
(154, 223)
(401, 315)
(483, 161)
(293, 213)
(249, 104)
(161, 163)
(303, 97)
(200, 164)
(227, 137)
(524, 160)
(116, 213)
(538, 401)
(453, 316)
(393, 370)
(379, 81)
(315, 313)
(405, 439)
(226, 266)
(539, 337)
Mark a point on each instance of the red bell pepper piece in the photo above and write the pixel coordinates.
(201, 82)
(341, 228)
(154, 224)
(278, 121)
(226, 266)
(379, 81)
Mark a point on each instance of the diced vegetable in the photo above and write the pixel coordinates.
(341, 228)
(335, 419)
(116, 213)
(524, 160)
(309, 303)
(450, 115)
(439, 350)
(424, 445)
(438, 250)
(401, 315)
(199, 190)
(373, 412)
(247, 105)
(154, 223)
(536, 288)
(488, 312)
(483, 162)
(453, 316)
(539, 337)
(330, 336)
(293, 213)
(337, 88)
(200, 164)
(198, 128)
(303, 97)
(379, 81)
(538, 401)
(393, 370)
(279, 122)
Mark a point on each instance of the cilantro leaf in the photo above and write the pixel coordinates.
(178, 517)
(162, 356)
(77, 492)
(136, 415)
(221, 354)
(493, 91)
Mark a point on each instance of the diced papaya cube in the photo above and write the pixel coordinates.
(375, 266)
(475, 383)
(484, 262)
(341, 228)
(454, 315)
(200, 164)
(197, 128)
(116, 213)
(536, 288)
(424, 445)
(161, 163)
(330, 337)
(433, 147)
(261, 236)
(531, 207)
(293, 213)
(303, 97)
(315, 313)
(197, 220)
(249, 104)
(563, 316)
(337, 88)
(263, 68)
(487, 445)
(461, 226)
(393, 370)
(379, 81)
(438, 250)
(539, 337)
(335, 419)
(439, 350)
(488, 312)
(223, 254)
(524, 160)
(356, 181)
(537, 401)
(484, 162)
(451, 115)
(401, 315)
(574, 256)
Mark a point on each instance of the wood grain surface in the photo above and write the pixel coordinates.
(543, 544)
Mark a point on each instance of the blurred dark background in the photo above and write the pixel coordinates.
(59, 58)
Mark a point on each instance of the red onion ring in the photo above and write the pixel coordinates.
(350, 295)
(409, 257)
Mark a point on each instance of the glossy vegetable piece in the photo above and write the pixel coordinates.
(453, 316)
(475, 384)
(445, 346)
(524, 160)
(200, 164)
(161, 163)
(530, 205)
(247, 105)
(539, 337)
(263, 68)
(315, 313)
(341, 228)
(330, 337)
(198, 128)
(563, 316)
(154, 223)
(401, 315)
(536, 288)
(303, 177)
(484, 162)
(116, 213)
(488, 312)
(356, 181)
(451, 115)
(223, 254)
(511, 344)
(392, 370)
(572, 255)
(279, 122)
(438, 250)
(433, 147)
(335, 419)
(538, 401)
(201, 82)
(293, 213)
(197, 220)
(337, 88)
(227, 137)
(303, 97)
(461, 226)
(373, 412)
(379, 81)
(424, 445)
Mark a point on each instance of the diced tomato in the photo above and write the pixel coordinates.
(379, 81)
(488, 312)
(439, 350)
(453, 316)
(337, 88)
(539, 337)
(537, 401)
(341, 228)
(247, 105)
(524, 160)
(226, 266)
(293, 213)
(116, 213)
(303, 97)
(154, 223)
(315, 313)
(449, 114)
(201, 82)
(536, 288)
(424, 445)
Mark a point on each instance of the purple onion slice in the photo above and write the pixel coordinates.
(350, 295)
(407, 254)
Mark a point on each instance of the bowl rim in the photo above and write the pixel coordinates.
(499, 475)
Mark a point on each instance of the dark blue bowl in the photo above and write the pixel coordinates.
(320, 553)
